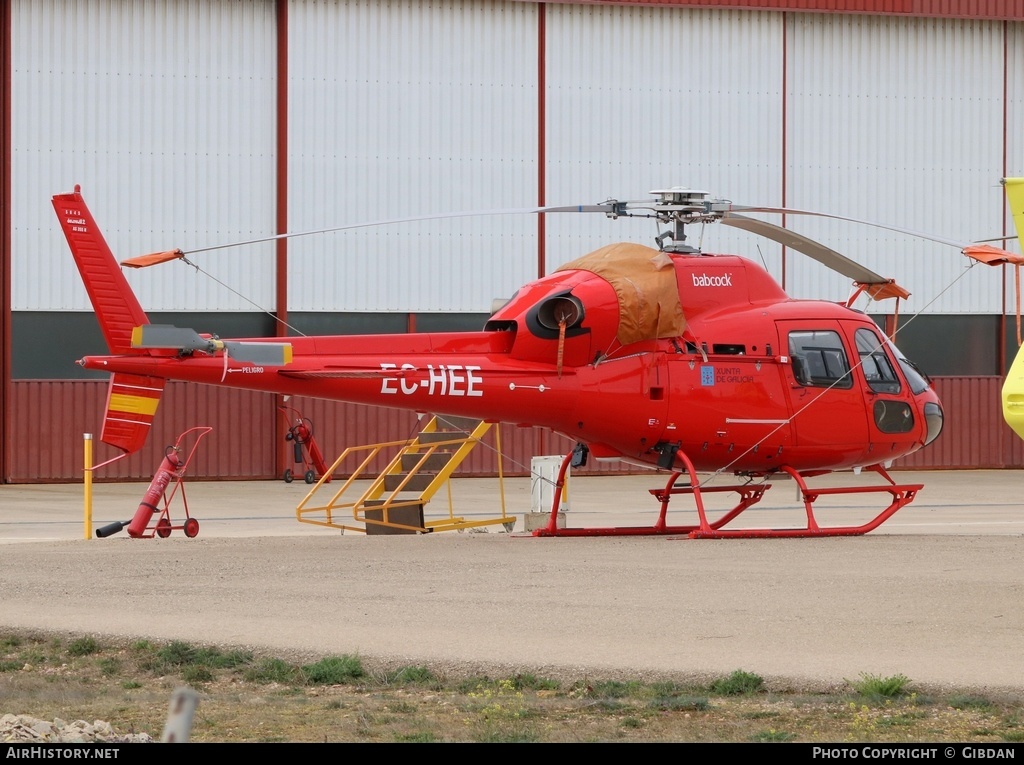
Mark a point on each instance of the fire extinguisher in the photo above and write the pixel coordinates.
(150, 501)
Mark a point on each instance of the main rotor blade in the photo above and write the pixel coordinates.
(897, 229)
(154, 258)
(812, 249)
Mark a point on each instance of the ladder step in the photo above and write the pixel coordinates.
(417, 482)
(435, 463)
(410, 515)
(435, 436)
(464, 424)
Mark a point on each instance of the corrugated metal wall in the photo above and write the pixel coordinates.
(402, 109)
(635, 104)
(165, 114)
(53, 416)
(899, 121)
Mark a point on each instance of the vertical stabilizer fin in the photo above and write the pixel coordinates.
(132, 401)
(116, 306)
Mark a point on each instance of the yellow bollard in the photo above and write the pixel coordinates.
(88, 485)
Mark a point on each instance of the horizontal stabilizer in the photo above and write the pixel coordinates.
(186, 340)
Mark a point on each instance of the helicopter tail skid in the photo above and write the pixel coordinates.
(749, 494)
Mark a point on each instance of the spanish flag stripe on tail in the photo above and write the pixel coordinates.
(132, 402)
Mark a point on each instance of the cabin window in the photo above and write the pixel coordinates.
(879, 373)
(819, 359)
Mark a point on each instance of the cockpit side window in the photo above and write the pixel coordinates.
(819, 359)
(878, 371)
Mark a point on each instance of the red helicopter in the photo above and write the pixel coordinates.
(666, 357)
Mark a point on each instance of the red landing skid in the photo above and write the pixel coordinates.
(749, 494)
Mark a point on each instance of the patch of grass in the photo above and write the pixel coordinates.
(197, 674)
(338, 700)
(213, 657)
(967, 701)
(10, 665)
(334, 670)
(531, 682)
(772, 735)
(760, 714)
(681, 704)
(420, 737)
(876, 687)
(471, 684)
(617, 689)
(177, 654)
(419, 675)
(267, 671)
(738, 683)
(83, 646)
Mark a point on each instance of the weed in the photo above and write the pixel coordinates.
(970, 702)
(680, 704)
(531, 682)
(196, 673)
(772, 735)
(109, 665)
(738, 683)
(616, 689)
(131, 685)
(876, 687)
(213, 657)
(420, 737)
(1013, 736)
(409, 675)
(177, 654)
(471, 684)
(333, 670)
(83, 646)
(266, 671)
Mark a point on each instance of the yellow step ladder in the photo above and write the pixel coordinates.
(394, 501)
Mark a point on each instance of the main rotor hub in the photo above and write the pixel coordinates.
(680, 207)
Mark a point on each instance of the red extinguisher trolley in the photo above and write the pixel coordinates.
(157, 500)
(305, 450)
